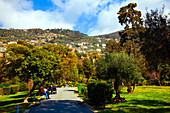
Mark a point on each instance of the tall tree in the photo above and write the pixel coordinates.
(118, 66)
(156, 45)
(131, 19)
(88, 68)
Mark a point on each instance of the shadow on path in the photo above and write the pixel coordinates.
(60, 106)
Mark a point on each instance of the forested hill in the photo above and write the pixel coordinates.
(59, 36)
(52, 34)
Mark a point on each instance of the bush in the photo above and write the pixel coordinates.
(99, 93)
(61, 82)
(22, 87)
(72, 84)
(6, 90)
(84, 91)
(47, 84)
(14, 89)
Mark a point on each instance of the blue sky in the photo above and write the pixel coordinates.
(92, 17)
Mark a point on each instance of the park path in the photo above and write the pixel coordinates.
(65, 101)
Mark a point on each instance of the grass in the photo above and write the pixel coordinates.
(8, 103)
(145, 99)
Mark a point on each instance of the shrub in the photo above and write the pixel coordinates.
(99, 93)
(47, 84)
(22, 87)
(72, 84)
(61, 82)
(84, 91)
(6, 90)
(14, 89)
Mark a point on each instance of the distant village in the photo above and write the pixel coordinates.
(81, 44)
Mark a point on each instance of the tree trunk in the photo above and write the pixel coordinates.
(129, 89)
(134, 86)
(160, 84)
(29, 93)
(117, 97)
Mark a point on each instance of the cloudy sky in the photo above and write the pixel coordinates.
(92, 17)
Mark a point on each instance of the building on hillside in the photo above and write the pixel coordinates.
(12, 42)
(2, 49)
(103, 45)
(98, 50)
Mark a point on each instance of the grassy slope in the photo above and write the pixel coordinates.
(146, 99)
(8, 103)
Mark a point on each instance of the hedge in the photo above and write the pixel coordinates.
(22, 87)
(6, 90)
(100, 93)
(84, 91)
(14, 89)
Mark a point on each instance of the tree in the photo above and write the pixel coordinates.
(88, 68)
(156, 45)
(69, 61)
(2, 67)
(113, 46)
(132, 20)
(37, 64)
(133, 48)
(118, 66)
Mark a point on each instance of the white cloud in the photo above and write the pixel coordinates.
(107, 19)
(20, 14)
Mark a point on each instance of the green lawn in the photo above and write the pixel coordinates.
(145, 99)
(8, 103)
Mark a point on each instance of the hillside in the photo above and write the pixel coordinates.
(59, 36)
(52, 35)
(113, 36)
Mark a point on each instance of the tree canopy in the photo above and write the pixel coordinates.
(118, 66)
(34, 63)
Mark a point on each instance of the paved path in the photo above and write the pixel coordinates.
(65, 101)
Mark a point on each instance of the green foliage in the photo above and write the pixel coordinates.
(142, 81)
(84, 91)
(22, 87)
(6, 90)
(99, 93)
(47, 84)
(118, 66)
(4, 85)
(32, 63)
(61, 82)
(156, 45)
(88, 68)
(164, 70)
(113, 46)
(14, 89)
(132, 20)
(73, 83)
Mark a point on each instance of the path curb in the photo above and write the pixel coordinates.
(87, 105)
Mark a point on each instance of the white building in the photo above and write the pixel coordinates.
(12, 42)
(103, 45)
(98, 50)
